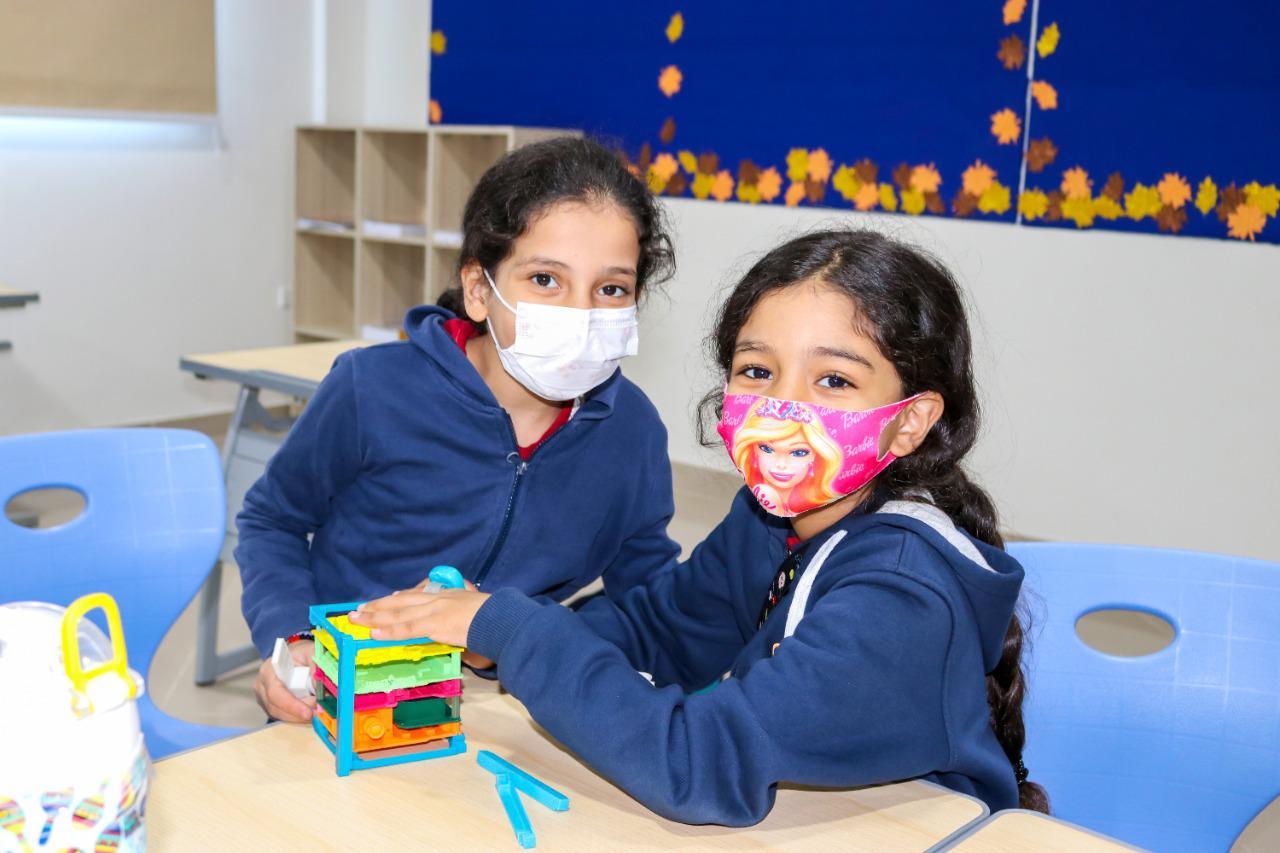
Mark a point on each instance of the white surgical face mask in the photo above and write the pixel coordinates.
(562, 353)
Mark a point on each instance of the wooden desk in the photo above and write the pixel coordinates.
(276, 789)
(1015, 830)
(14, 299)
(294, 370)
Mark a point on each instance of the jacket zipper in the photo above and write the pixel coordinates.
(521, 467)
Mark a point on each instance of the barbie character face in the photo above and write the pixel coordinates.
(786, 455)
(780, 463)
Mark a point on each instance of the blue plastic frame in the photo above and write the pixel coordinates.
(342, 746)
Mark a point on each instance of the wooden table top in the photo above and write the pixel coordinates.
(304, 361)
(1015, 831)
(296, 369)
(277, 789)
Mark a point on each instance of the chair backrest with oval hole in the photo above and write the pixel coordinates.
(153, 523)
(1175, 750)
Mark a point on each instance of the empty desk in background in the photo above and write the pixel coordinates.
(276, 789)
(294, 370)
(14, 299)
(1016, 830)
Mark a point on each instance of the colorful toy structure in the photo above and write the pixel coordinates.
(381, 702)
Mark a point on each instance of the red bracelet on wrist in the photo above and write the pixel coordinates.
(301, 635)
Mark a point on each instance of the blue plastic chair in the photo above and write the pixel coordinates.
(1176, 750)
(153, 523)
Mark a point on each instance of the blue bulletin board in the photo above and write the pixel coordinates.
(1061, 113)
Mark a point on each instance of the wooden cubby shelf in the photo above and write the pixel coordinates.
(379, 217)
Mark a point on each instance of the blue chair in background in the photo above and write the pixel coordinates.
(152, 526)
(1176, 750)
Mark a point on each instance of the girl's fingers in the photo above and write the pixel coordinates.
(403, 598)
(403, 630)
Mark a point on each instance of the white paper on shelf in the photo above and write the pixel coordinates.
(374, 228)
(323, 225)
(446, 239)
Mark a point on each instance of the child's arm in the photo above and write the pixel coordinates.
(319, 457)
(854, 697)
(655, 623)
(648, 550)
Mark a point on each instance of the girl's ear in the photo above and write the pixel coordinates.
(475, 291)
(914, 423)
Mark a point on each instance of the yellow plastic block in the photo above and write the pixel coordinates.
(386, 654)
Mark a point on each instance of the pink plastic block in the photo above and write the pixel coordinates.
(370, 701)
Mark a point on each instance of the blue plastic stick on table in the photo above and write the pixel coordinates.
(515, 812)
(526, 783)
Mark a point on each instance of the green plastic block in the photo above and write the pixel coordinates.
(326, 700)
(432, 711)
(393, 675)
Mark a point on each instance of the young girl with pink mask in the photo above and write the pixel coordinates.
(854, 611)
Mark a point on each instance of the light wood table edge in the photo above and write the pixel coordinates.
(965, 833)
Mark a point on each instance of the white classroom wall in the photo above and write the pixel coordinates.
(1129, 379)
(146, 242)
(149, 241)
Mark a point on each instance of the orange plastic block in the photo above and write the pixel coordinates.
(374, 729)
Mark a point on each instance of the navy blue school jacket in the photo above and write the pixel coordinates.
(878, 675)
(403, 460)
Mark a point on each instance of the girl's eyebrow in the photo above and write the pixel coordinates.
(541, 261)
(832, 352)
(752, 346)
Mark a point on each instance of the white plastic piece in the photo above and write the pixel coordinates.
(296, 678)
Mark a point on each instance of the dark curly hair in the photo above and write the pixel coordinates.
(910, 305)
(523, 184)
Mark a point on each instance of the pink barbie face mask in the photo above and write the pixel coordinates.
(800, 456)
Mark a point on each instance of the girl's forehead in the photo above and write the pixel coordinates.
(809, 312)
(582, 222)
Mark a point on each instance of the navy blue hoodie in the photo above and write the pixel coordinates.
(403, 460)
(882, 680)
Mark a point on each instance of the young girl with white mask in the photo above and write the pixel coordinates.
(500, 438)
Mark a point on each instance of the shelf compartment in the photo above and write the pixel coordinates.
(326, 175)
(458, 159)
(392, 280)
(324, 286)
(442, 272)
(393, 177)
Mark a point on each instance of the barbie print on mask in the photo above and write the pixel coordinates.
(787, 459)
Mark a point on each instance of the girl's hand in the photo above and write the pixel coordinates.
(443, 616)
(275, 698)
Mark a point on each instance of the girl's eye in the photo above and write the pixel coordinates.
(764, 448)
(833, 381)
(754, 372)
(542, 279)
(615, 291)
(799, 453)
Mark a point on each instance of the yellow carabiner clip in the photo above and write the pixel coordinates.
(119, 661)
